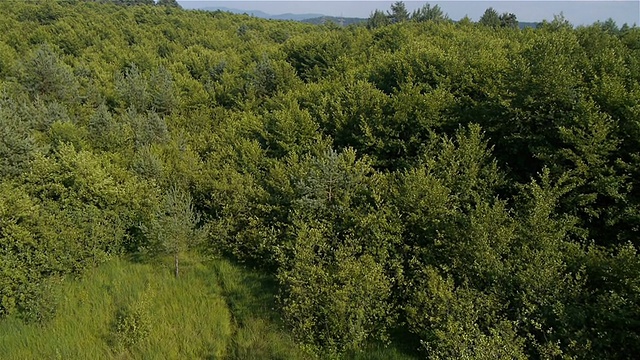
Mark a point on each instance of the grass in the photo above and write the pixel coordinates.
(173, 318)
(128, 310)
(251, 297)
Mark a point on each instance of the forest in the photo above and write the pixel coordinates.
(457, 189)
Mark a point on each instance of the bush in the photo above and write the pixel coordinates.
(133, 324)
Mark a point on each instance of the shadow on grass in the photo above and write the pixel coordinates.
(260, 331)
(251, 297)
(250, 293)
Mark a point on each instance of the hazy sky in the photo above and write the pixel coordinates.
(577, 12)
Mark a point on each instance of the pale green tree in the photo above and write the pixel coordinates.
(177, 224)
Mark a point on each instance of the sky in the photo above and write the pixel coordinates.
(577, 12)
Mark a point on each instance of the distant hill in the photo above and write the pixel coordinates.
(264, 15)
(316, 19)
(524, 25)
(342, 21)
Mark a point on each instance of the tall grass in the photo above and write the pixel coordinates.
(182, 318)
(251, 298)
(128, 310)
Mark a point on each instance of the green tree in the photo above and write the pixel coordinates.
(17, 144)
(290, 131)
(147, 128)
(18, 276)
(129, 2)
(103, 129)
(8, 60)
(611, 302)
(428, 13)
(163, 91)
(272, 76)
(335, 267)
(610, 26)
(45, 75)
(508, 20)
(377, 19)
(398, 13)
(177, 223)
(458, 322)
(465, 21)
(169, 3)
(559, 22)
(490, 18)
(313, 58)
(133, 89)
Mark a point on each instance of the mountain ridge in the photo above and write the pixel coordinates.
(264, 15)
(312, 18)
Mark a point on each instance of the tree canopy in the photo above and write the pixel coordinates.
(470, 191)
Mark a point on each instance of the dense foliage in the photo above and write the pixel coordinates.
(471, 188)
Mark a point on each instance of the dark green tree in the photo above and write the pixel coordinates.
(465, 21)
(133, 88)
(17, 144)
(428, 13)
(314, 58)
(377, 19)
(169, 3)
(490, 18)
(46, 76)
(129, 2)
(508, 20)
(610, 26)
(559, 22)
(162, 91)
(398, 13)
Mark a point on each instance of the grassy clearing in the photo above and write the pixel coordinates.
(127, 310)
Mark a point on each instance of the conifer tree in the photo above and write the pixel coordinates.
(398, 13)
(490, 18)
